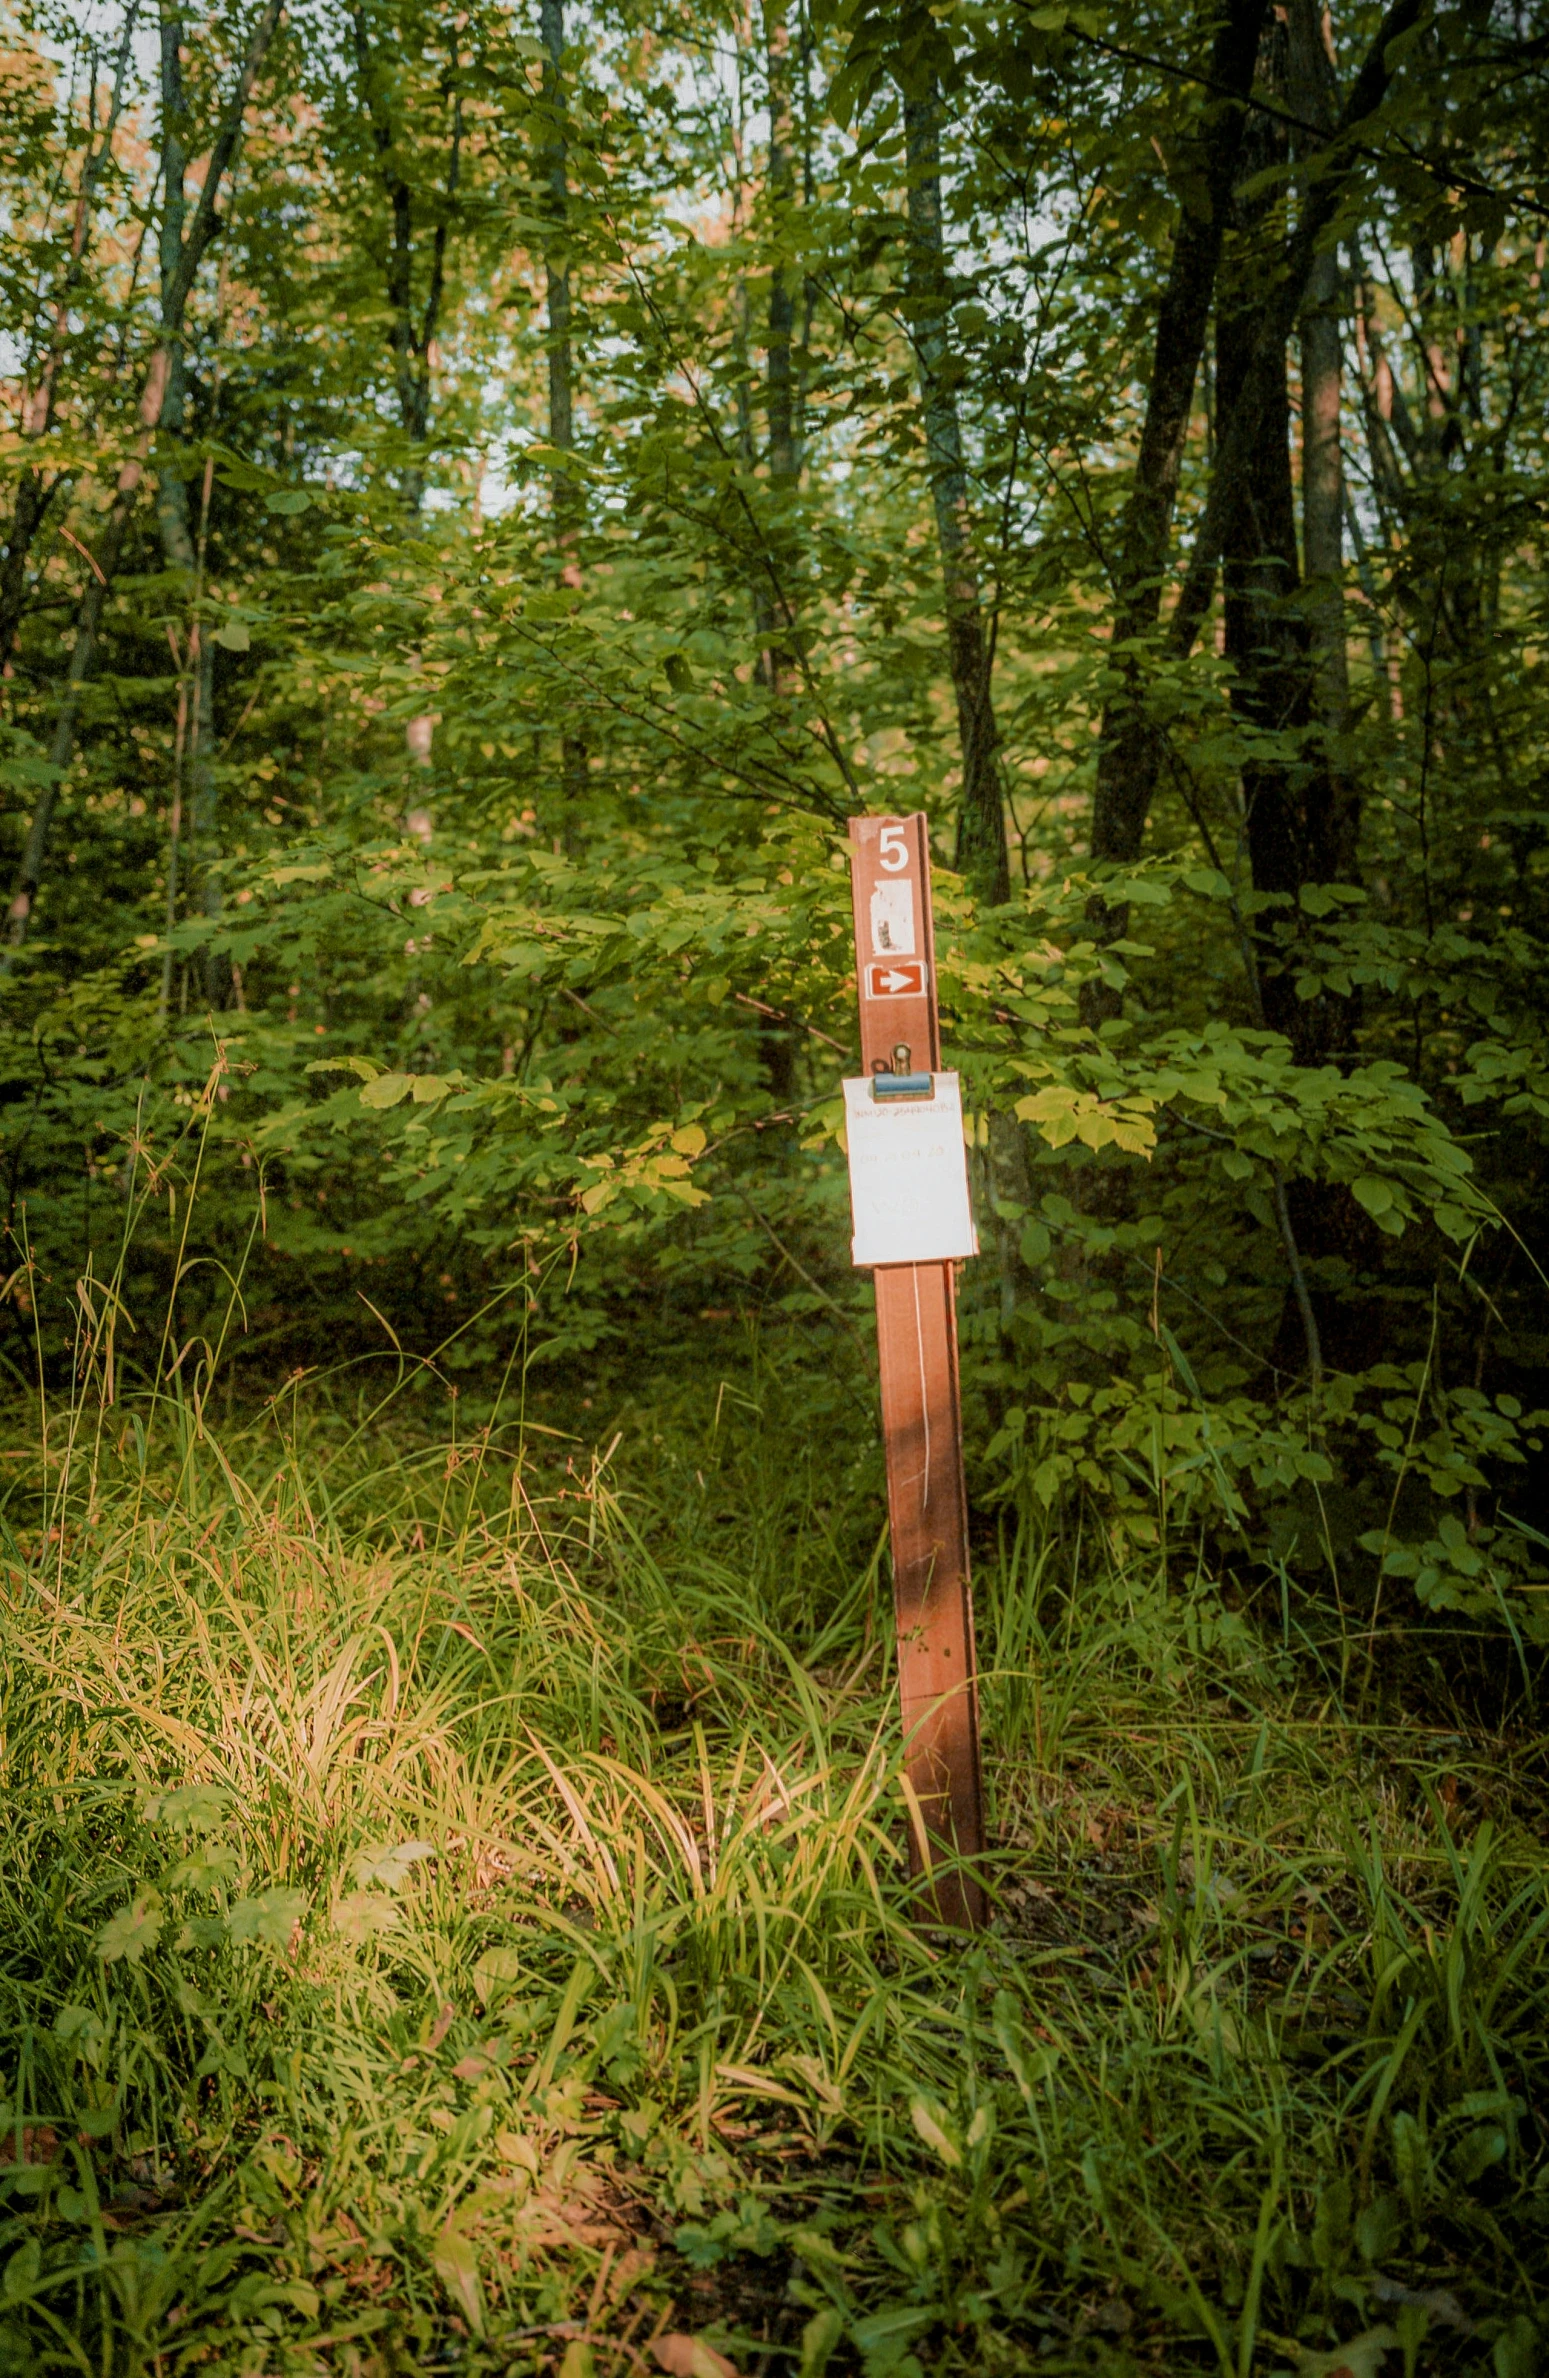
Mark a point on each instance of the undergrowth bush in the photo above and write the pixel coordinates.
(456, 1917)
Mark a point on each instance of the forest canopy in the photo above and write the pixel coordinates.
(493, 492)
(488, 495)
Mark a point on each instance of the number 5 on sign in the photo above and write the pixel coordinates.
(909, 1194)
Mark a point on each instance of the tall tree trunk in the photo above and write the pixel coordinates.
(173, 511)
(1289, 682)
(1314, 98)
(981, 821)
(784, 458)
(1288, 292)
(110, 546)
(1285, 799)
(411, 337)
(1126, 758)
(201, 811)
(88, 626)
(1238, 431)
(34, 494)
(981, 853)
(784, 461)
(565, 495)
(775, 559)
(1298, 818)
(35, 491)
(1127, 752)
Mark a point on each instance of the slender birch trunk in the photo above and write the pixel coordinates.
(565, 496)
(35, 491)
(176, 290)
(981, 823)
(780, 383)
(195, 803)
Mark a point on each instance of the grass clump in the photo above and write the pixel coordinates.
(456, 1918)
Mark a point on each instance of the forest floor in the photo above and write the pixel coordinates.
(455, 1918)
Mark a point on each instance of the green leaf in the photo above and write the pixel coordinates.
(456, 2266)
(1474, 2153)
(927, 2123)
(253, 478)
(22, 2272)
(300, 2294)
(497, 1972)
(267, 1921)
(132, 1931)
(1516, 2353)
(204, 1869)
(1374, 1193)
(1026, 2068)
(232, 636)
(194, 1808)
(288, 501)
(365, 1069)
(81, 2024)
(365, 1915)
(818, 2339)
(387, 1089)
(881, 2335)
(201, 1932)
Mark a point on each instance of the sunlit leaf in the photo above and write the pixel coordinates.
(389, 1867)
(268, 1920)
(135, 1929)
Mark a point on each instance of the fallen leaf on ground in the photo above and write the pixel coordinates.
(683, 2356)
(40, 2142)
(1362, 2357)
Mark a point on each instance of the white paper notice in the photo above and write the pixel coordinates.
(892, 920)
(908, 1176)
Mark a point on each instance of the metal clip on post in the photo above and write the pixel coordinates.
(900, 1082)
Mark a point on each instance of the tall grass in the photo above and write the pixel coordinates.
(455, 1916)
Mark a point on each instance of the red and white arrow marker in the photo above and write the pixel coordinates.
(902, 979)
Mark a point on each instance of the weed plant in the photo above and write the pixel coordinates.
(456, 1918)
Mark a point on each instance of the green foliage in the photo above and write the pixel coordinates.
(457, 1891)
(479, 941)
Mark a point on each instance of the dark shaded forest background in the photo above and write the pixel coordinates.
(487, 494)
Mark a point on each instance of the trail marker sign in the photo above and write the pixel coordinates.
(901, 978)
(913, 1221)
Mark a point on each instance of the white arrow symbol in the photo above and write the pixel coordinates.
(892, 980)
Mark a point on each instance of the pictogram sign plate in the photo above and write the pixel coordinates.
(900, 978)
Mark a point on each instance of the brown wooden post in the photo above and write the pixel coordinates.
(922, 1424)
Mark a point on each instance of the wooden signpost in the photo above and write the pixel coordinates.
(908, 1174)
